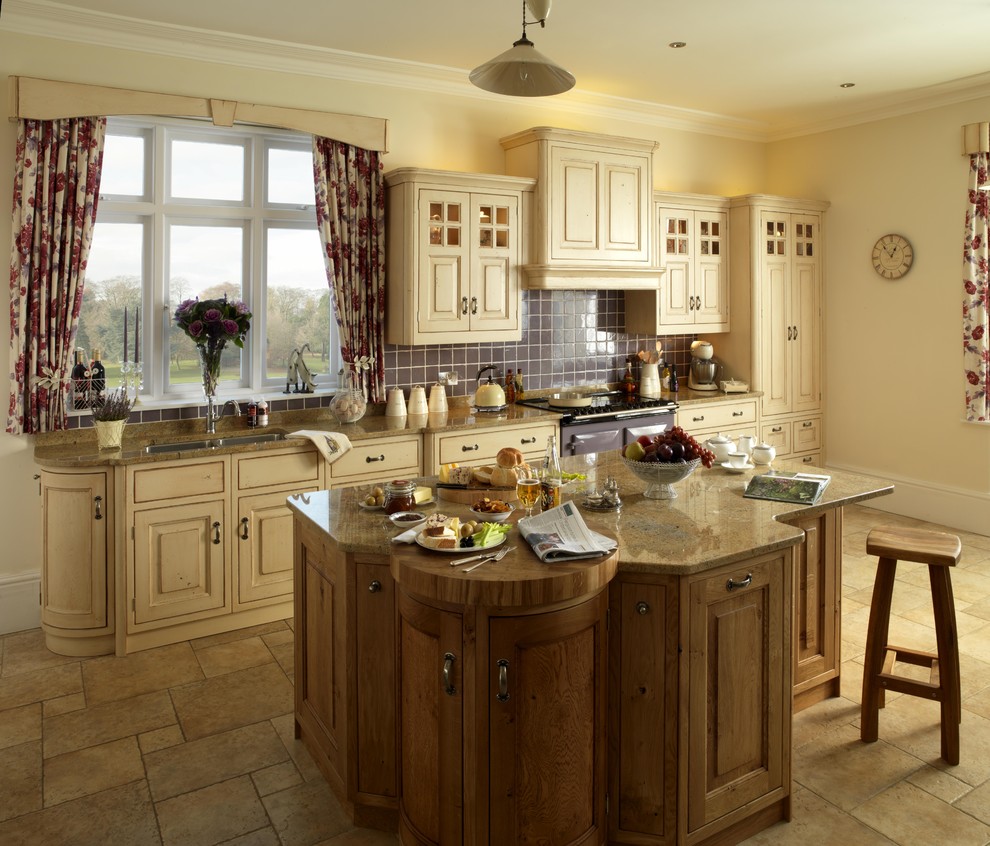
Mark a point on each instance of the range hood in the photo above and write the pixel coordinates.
(544, 277)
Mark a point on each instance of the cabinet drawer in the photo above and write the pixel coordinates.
(179, 480)
(807, 434)
(723, 416)
(480, 446)
(778, 435)
(278, 468)
(374, 459)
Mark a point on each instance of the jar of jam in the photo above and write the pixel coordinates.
(400, 495)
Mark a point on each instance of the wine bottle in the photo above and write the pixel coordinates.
(99, 376)
(519, 385)
(550, 476)
(80, 380)
(673, 379)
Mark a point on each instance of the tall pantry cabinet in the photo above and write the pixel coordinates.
(776, 247)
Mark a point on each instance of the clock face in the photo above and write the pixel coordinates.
(892, 256)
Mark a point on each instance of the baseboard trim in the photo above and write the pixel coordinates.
(951, 507)
(20, 602)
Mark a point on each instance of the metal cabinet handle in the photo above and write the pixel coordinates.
(731, 585)
(375, 586)
(216, 532)
(738, 413)
(448, 663)
(244, 528)
(531, 440)
(503, 680)
(788, 333)
(463, 305)
(98, 502)
(369, 459)
(795, 333)
(807, 424)
(777, 429)
(466, 448)
(807, 459)
(698, 419)
(642, 608)
(474, 305)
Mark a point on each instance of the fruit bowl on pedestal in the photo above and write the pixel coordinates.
(661, 475)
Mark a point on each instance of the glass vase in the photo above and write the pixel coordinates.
(209, 359)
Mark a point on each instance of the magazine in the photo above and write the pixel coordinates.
(560, 534)
(802, 488)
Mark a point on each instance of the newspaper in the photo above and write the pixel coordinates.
(561, 534)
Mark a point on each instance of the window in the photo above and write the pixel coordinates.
(189, 210)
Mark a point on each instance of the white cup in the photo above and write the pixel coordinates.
(417, 401)
(738, 459)
(396, 405)
(438, 399)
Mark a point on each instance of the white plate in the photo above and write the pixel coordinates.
(463, 550)
(742, 469)
(430, 501)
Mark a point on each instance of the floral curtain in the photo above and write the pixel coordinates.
(350, 214)
(976, 308)
(56, 187)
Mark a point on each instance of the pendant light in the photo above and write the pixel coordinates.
(523, 71)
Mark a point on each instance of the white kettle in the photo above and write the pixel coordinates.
(489, 396)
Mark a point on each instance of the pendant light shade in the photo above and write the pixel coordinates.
(523, 71)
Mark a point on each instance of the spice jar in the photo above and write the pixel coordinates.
(400, 495)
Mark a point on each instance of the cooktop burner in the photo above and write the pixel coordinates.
(606, 405)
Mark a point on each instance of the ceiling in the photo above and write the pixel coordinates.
(772, 67)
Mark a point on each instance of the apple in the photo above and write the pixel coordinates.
(643, 440)
(665, 452)
(635, 451)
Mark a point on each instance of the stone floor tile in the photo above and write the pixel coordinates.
(261, 837)
(163, 738)
(19, 725)
(979, 609)
(110, 721)
(26, 651)
(122, 677)
(978, 703)
(64, 704)
(285, 655)
(238, 634)
(20, 780)
(235, 699)
(941, 784)
(976, 643)
(275, 778)
(968, 586)
(92, 770)
(822, 717)
(306, 813)
(212, 814)
(278, 638)
(285, 726)
(362, 837)
(220, 757)
(909, 816)
(234, 655)
(39, 685)
(905, 597)
(976, 803)
(123, 816)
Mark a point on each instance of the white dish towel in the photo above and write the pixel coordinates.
(332, 445)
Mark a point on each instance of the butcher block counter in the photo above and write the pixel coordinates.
(504, 705)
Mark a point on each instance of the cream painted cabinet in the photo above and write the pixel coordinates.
(692, 243)
(729, 417)
(454, 249)
(395, 457)
(77, 554)
(480, 446)
(592, 212)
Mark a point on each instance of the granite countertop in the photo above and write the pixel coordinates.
(709, 524)
(77, 447)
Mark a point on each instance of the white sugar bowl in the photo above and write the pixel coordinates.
(763, 453)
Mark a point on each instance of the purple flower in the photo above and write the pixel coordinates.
(195, 328)
(212, 315)
(231, 327)
(240, 307)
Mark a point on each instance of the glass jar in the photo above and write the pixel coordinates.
(348, 404)
(400, 495)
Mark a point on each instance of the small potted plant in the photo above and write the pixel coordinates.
(109, 416)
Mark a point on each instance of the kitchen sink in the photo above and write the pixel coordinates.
(213, 443)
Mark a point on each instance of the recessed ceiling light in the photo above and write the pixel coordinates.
(848, 85)
(677, 44)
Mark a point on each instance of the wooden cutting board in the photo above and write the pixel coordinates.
(472, 494)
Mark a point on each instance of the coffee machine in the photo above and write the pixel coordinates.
(704, 372)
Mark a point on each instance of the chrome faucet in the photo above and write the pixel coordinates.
(213, 415)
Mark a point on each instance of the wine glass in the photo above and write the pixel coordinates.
(528, 492)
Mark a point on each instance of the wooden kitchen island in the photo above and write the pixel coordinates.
(643, 699)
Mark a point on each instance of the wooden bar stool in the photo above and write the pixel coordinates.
(939, 551)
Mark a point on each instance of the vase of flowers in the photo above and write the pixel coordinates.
(109, 418)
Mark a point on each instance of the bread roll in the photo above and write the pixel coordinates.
(509, 457)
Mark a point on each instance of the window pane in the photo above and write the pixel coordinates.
(298, 307)
(204, 262)
(123, 165)
(290, 177)
(204, 170)
(113, 283)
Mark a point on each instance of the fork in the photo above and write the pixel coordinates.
(495, 556)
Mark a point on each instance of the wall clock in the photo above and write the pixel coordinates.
(892, 256)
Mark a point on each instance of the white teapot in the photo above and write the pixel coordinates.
(763, 453)
(721, 445)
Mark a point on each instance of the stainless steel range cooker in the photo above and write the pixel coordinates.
(609, 422)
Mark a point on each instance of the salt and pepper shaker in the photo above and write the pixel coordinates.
(610, 495)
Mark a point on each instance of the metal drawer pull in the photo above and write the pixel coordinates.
(806, 424)
(463, 305)
(807, 459)
(795, 333)
(448, 663)
(216, 532)
(698, 419)
(244, 528)
(98, 501)
(731, 585)
(642, 608)
(503, 680)
(777, 429)
(738, 413)
(375, 586)
(531, 440)
(370, 459)
(466, 448)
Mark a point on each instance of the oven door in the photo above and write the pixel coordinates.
(652, 428)
(591, 437)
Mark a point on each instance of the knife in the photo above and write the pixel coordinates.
(471, 558)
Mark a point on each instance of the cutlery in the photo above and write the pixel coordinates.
(470, 558)
(495, 556)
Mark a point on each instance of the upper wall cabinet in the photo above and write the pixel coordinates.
(591, 225)
(692, 242)
(453, 244)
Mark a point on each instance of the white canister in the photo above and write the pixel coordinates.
(417, 401)
(396, 405)
(649, 380)
(438, 399)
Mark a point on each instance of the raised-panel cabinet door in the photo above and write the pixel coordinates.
(776, 330)
(493, 303)
(738, 687)
(806, 310)
(180, 562)
(444, 259)
(711, 286)
(546, 695)
(623, 200)
(676, 257)
(575, 225)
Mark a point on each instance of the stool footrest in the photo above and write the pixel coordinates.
(932, 689)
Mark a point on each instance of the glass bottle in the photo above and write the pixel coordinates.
(673, 379)
(550, 476)
(80, 380)
(629, 382)
(519, 385)
(510, 388)
(99, 376)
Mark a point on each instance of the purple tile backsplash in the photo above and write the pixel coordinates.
(570, 338)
